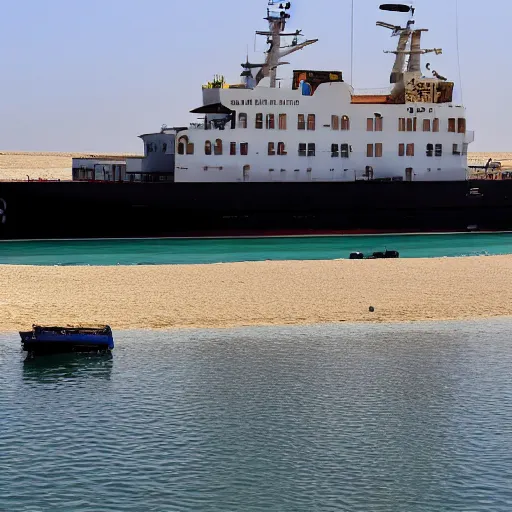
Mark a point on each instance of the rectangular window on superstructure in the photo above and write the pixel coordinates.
(401, 149)
(302, 149)
(301, 122)
(412, 123)
(379, 123)
(232, 148)
(345, 123)
(271, 149)
(244, 148)
(369, 150)
(270, 122)
(439, 150)
(430, 150)
(259, 122)
(217, 149)
(461, 125)
(410, 150)
(282, 121)
(465, 148)
(435, 125)
(335, 151)
(426, 125)
(190, 148)
(369, 124)
(311, 149)
(335, 123)
(451, 125)
(401, 124)
(281, 148)
(311, 122)
(344, 150)
(378, 149)
(455, 150)
(242, 120)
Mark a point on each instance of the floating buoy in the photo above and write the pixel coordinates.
(372, 309)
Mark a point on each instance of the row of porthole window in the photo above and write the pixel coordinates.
(187, 148)
(304, 122)
(218, 148)
(432, 150)
(410, 124)
(305, 149)
(376, 123)
(337, 150)
(376, 150)
(309, 149)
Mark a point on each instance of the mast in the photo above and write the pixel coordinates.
(408, 52)
(277, 17)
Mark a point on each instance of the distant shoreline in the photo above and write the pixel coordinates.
(68, 154)
(258, 293)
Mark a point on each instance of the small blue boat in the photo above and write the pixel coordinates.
(67, 339)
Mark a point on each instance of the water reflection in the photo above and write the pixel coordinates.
(64, 367)
(381, 418)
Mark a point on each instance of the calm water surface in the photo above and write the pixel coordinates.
(327, 418)
(169, 251)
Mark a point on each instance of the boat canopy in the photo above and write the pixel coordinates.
(214, 108)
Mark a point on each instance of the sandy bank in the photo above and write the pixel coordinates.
(51, 166)
(263, 293)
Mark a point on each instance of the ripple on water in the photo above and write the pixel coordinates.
(381, 418)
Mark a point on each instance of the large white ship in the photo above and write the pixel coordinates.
(320, 129)
(263, 159)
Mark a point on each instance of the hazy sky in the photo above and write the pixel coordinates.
(91, 75)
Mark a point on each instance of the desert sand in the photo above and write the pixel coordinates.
(57, 166)
(257, 293)
(50, 166)
(240, 294)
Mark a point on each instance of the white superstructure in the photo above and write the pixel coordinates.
(320, 129)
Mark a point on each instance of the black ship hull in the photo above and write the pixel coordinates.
(43, 210)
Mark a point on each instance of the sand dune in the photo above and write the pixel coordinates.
(257, 293)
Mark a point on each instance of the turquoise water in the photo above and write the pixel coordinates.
(172, 251)
(326, 418)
